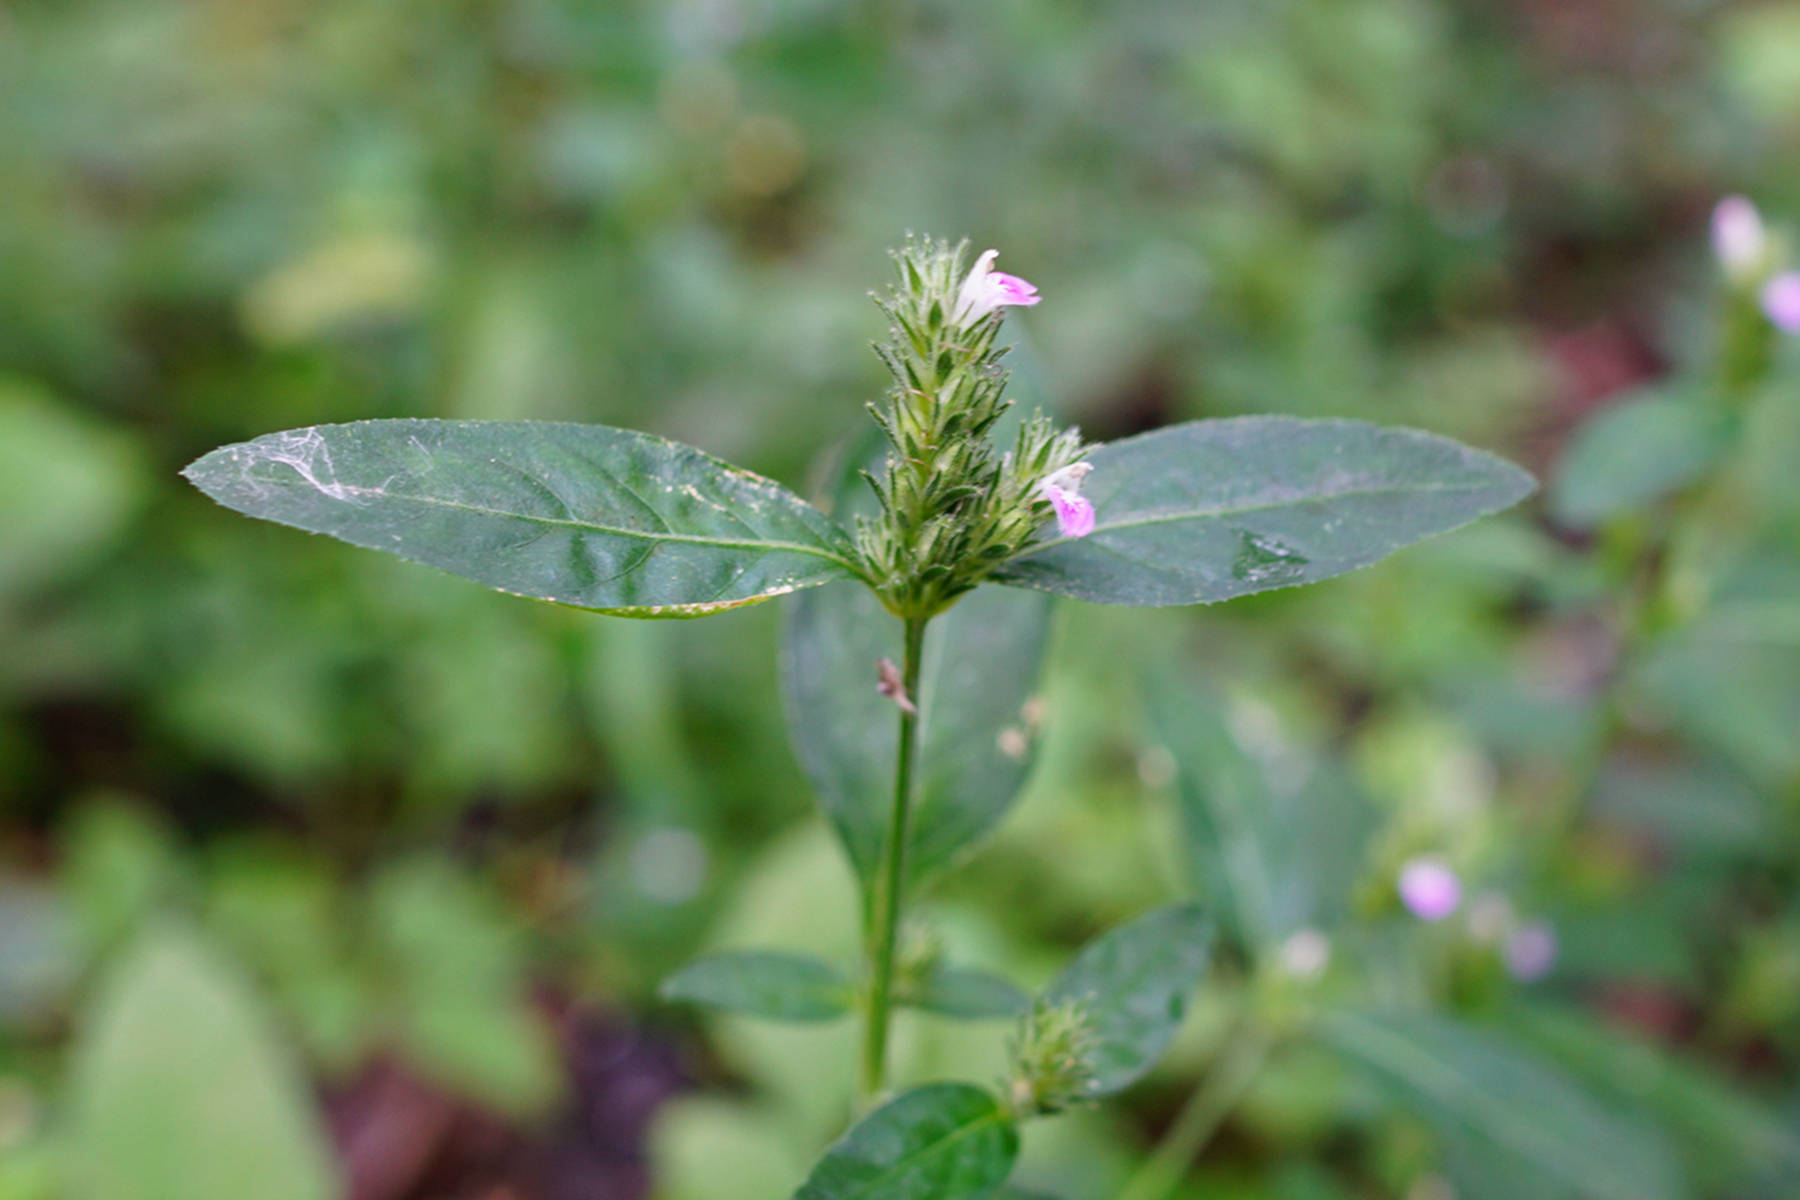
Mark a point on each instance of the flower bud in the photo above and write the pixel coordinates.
(1781, 301)
(1052, 1058)
(1429, 888)
(1738, 239)
(1531, 951)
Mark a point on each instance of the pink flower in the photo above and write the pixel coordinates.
(1781, 301)
(1531, 951)
(987, 289)
(1074, 513)
(1429, 888)
(1737, 236)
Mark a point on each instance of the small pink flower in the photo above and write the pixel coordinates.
(1429, 888)
(1781, 301)
(987, 289)
(1531, 951)
(1074, 513)
(1737, 236)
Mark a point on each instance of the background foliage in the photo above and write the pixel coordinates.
(389, 866)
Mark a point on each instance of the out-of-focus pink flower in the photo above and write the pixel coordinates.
(987, 289)
(1737, 236)
(1305, 954)
(1781, 301)
(1074, 513)
(1429, 888)
(1531, 951)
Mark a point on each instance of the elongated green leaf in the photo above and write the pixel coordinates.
(181, 1090)
(1636, 452)
(966, 993)
(1266, 859)
(1134, 983)
(763, 983)
(1726, 1135)
(944, 1141)
(584, 515)
(980, 668)
(1210, 510)
(1512, 1126)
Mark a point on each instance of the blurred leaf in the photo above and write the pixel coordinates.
(1210, 510)
(1728, 1136)
(1732, 680)
(1700, 806)
(944, 1141)
(1511, 1126)
(763, 983)
(706, 1148)
(1633, 453)
(181, 1089)
(459, 988)
(966, 993)
(68, 486)
(979, 671)
(1134, 984)
(120, 866)
(605, 519)
(1266, 860)
(39, 953)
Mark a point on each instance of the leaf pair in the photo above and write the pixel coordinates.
(634, 525)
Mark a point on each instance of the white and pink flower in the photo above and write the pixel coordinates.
(1074, 512)
(1738, 239)
(987, 289)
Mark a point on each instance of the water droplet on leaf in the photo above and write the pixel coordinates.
(1266, 560)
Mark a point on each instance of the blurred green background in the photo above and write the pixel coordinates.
(326, 866)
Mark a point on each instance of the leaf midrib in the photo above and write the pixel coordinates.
(1214, 513)
(993, 1117)
(593, 527)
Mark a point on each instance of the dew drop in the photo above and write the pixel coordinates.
(1266, 560)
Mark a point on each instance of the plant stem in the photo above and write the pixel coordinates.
(890, 884)
(1201, 1116)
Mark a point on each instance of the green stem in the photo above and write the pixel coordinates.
(1201, 1116)
(890, 884)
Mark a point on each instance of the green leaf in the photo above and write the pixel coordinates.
(1511, 1125)
(1633, 453)
(1134, 984)
(68, 486)
(460, 986)
(979, 671)
(944, 1141)
(1209, 510)
(965, 993)
(181, 1089)
(1727, 1135)
(1266, 860)
(762, 983)
(599, 518)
